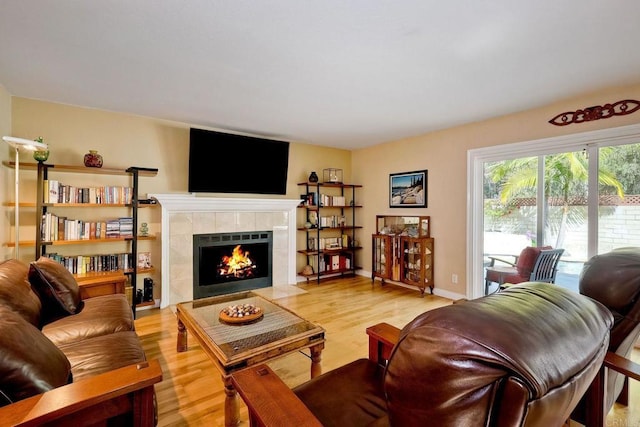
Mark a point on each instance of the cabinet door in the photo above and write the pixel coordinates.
(417, 262)
(382, 260)
(412, 262)
(427, 262)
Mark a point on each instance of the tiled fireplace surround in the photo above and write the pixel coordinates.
(184, 215)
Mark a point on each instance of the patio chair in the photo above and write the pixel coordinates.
(534, 264)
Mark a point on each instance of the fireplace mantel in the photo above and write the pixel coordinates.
(185, 214)
(189, 202)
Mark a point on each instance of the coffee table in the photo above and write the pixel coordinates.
(233, 347)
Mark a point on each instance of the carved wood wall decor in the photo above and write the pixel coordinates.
(620, 108)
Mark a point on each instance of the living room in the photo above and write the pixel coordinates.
(127, 139)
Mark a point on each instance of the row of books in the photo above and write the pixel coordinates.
(328, 243)
(312, 199)
(328, 200)
(333, 221)
(56, 227)
(56, 192)
(328, 263)
(82, 264)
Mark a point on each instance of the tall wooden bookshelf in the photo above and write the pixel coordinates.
(93, 281)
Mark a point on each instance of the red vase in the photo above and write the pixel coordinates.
(92, 159)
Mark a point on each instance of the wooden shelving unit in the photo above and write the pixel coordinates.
(92, 283)
(330, 228)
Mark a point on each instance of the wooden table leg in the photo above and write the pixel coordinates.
(316, 358)
(231, 409)
(182, 337)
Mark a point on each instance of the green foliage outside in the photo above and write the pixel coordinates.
(565, 182)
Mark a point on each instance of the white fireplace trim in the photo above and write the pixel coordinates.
(188, 203)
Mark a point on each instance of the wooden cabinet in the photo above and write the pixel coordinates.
(95, 285)
(73, 213)
(330, 225)
(402, 251)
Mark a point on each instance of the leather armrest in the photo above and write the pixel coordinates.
(269, 400)
(127, 389)
(382, 338)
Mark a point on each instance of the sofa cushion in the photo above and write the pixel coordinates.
(100, 316)
(29, 363)
(104, 353)
(16, 293)
(56, 287)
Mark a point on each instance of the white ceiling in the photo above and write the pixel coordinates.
(343, 73)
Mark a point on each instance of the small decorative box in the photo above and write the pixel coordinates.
(332, 176)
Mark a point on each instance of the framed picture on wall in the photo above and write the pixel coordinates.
(408, 189)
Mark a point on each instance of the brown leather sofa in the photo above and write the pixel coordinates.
(62, 357)
(522, 357)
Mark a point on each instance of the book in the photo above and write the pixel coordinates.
(53, 191)
(113, 229)
(126, 226)
(61, 227)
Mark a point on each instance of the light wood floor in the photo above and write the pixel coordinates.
(191, 392)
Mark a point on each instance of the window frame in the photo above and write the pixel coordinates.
(590, 141)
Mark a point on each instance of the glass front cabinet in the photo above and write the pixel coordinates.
(403, 251)
(417, 261)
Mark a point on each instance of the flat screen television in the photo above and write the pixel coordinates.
(227, 163)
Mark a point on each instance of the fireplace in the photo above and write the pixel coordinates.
(231, 262)
(184, 215)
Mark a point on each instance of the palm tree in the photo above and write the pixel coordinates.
(565, 176)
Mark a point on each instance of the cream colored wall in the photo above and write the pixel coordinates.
(127, 140)
(123, 140)
(444, 155)
(5, 176)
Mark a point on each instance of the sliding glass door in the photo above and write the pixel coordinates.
(516, 217)
(619, 201)
(579, 193)
(510, 209)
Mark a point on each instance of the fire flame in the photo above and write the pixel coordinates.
(238, 264)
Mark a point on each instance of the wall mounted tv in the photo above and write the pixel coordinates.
(227, 163)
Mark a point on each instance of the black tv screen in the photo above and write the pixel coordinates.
(227, 163)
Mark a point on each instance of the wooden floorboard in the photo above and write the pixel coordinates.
(191, 393)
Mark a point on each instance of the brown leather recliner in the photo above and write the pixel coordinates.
(613, 279)
(522, 357)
